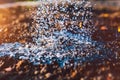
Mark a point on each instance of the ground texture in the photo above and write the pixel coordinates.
(14, 26)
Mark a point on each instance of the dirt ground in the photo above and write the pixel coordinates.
(14, 27)
(14, 24)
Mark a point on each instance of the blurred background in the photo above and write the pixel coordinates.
(10, 1)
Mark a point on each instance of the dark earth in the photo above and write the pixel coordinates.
(14, 27)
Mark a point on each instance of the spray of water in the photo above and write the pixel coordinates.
(62, 33)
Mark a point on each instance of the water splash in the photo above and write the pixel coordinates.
(62, 33)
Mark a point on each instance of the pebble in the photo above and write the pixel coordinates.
(74, 74)
(105, 15)
(47, 75)
(6, 29)
(109, 77)
(36, 72)
(8, 69)
(1, 63)
(19, 64)
(103, 28)
(82, 79)
(20, 72)
(43, 70)
(80, 24)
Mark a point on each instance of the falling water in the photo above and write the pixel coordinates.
(62, 33)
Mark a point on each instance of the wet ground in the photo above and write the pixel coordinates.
(14, 27)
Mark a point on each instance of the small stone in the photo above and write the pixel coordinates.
(102, 69)
(21, 16)
(47, 75)
(1, 63)
(82, 79)
(17, 21)
(43, 70)
(20, 72)
(19, 64)
(105, 15)
(41, 77)
(8, 69)
(36, 72)
(6, 29)
(99, 78)
(103, 28)
(109, 77)
(74, 74)
(80, 24)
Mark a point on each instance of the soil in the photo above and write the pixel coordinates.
(14, 24)
(14, 27)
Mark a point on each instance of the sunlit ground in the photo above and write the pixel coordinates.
(14, 27)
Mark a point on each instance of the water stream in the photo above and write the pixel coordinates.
(62, 34)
